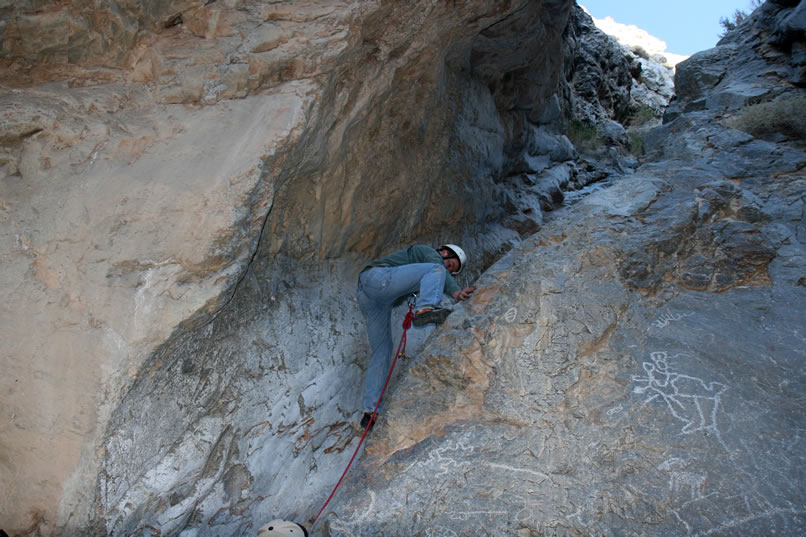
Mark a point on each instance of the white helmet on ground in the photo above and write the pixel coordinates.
(458, 252)
(282, 528)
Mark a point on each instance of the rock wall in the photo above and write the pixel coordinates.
(768, 43)
(607, 80)
(633, 368)
(597, 70)
(611, 94)
(188, 191)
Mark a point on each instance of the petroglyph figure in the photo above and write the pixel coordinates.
(682, 482)
(467, 515)
(687, 482)
(440, 531)
(673, 463)
(447, 459)
(665, 318)
(689, 399)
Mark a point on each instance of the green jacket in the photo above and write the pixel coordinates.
(419, 253)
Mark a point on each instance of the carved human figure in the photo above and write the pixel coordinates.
(689, 399)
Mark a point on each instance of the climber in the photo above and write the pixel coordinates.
(384, 283)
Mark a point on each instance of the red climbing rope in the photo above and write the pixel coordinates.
(401, 348)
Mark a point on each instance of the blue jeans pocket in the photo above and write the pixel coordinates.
(375, 280)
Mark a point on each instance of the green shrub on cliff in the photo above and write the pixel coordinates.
(730, 23)
(636, 143)
(584, 134)
(641, 115)
(764, 120)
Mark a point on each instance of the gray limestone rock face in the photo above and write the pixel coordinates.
(190, 189)
(633, 368)
(597, 71)
(564, 398)
(607, 87)
(118, 229)
(183, 185)
(737, 72)
(653, 86)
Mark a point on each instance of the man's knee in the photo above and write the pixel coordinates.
(438, 268)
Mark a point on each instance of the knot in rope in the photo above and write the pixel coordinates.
(407, 320)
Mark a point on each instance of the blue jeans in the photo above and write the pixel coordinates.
(378, 288)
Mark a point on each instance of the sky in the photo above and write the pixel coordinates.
(687, 26)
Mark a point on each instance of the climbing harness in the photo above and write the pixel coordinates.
(401, 348)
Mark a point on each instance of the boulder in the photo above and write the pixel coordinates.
(653, 84)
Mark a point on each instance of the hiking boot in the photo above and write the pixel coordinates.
(368, 420)
(430, 315)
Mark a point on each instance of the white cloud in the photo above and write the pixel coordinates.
(631, 35)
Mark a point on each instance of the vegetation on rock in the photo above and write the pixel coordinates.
(641, 115)
(784, 117)
(636, 143)
(584, 134)
(730, 23)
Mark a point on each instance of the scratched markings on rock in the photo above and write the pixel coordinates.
(689, 399)
(666, 318)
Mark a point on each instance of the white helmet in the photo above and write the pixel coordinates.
(282, 528)
(459, 253)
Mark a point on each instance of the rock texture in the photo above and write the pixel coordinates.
(610, 79)
(598, 72)
(634, 368)
(653, 84)
(765, 45)
(188, 192)
(612, 94)
(567, 398)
